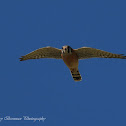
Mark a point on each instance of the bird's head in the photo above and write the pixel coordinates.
(66, 50)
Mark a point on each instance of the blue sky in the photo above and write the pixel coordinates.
(45, 87)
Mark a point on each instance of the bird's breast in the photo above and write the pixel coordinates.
(71, 60)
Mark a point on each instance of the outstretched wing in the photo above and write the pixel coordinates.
(87, 52)
(46, 52)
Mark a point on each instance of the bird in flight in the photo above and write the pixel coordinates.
(71, 56)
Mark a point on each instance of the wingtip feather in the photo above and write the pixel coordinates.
(123, 57)
(22, 58)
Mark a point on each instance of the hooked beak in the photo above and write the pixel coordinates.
(62, 51)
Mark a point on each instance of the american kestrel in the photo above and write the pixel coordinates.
(70, 56)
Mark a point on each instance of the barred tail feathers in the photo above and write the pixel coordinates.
(76, 75)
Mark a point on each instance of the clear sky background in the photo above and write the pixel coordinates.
(44, 87)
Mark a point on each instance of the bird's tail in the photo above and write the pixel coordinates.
(75, 74)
